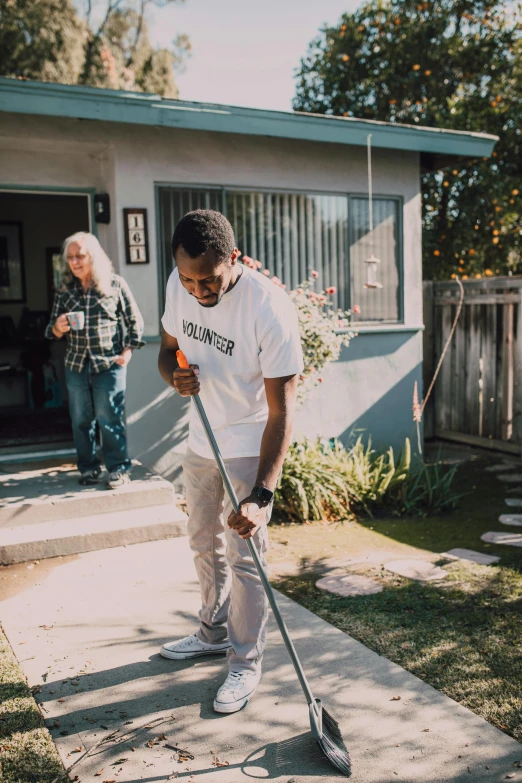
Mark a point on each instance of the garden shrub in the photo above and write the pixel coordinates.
(324, 480)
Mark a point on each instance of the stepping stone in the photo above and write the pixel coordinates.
(511, 519)
(471, 555)
(510, 478)
(419, 570)
(513, 502)
(349, 585)
(499, 468)
(508, 539)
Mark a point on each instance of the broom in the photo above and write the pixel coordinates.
(325, 729)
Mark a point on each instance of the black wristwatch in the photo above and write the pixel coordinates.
(264, 495)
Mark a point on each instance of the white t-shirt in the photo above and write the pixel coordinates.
(250, 335)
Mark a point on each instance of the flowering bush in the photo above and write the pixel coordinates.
(319, 325)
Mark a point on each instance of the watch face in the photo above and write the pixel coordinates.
(264, 494)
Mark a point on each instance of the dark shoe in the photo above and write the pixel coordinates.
(89, 477)
(118, 478)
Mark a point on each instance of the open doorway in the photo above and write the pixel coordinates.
(33, 395)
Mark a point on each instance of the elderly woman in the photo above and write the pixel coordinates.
(88, 309)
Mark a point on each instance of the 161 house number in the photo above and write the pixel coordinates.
(136, 236)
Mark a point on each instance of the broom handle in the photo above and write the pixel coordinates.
(262, 573)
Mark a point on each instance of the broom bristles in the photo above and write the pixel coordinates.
(332, 744)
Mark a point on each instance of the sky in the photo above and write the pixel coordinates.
(244, 52)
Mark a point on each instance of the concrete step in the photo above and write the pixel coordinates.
(47, 493)
(88, 533)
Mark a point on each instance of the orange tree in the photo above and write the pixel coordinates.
(446, 64)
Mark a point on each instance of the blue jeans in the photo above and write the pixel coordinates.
(98, 397)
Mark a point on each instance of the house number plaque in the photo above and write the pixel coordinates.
(136, 236)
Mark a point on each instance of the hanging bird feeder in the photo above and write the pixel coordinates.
(371, 262)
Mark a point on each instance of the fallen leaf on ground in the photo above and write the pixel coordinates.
(425, 729)
(218, 763)
(150, 744)
(97, 774)
(162, 737)
(511, 775)
(77, 750)
(61, 701)
(119, 761)
(395, 698)
(133, 749)
(46, 627)
(517, 763)
(184, 754)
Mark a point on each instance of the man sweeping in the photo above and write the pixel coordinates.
(239, 331)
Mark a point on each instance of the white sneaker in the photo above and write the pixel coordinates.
(236, 691)
(192, 647)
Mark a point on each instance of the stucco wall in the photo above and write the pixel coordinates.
(371, 385)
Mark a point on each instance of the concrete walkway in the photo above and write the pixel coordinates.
(87, 630)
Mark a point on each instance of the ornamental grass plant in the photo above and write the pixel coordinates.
(324, 480)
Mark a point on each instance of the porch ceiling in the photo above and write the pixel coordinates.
(89, 103)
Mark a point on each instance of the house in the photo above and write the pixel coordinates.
(127, 166)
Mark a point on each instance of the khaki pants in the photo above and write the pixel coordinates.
(234, 603)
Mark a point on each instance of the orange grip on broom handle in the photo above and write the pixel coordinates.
(182, 360)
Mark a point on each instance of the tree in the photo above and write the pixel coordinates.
(448, 64)
(52, 40)
(41, 39)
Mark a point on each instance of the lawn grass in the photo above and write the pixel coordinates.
(27, 752)
(462, 635)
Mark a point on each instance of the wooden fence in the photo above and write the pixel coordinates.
(477, 396)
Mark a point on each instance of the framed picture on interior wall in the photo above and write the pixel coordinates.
(136, 236)
(12, 277)
(54, 266)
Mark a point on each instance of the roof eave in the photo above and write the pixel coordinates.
(70, 101)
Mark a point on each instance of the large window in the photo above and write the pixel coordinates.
(293, 233)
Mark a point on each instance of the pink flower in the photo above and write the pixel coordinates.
(247, 260)
(356, 309)
(300, 291)
(301, 377)
(331, 290)
(315, 274)
(283, 285)
(276, 280)
(266, 272)
(258, 264)
(320, 380)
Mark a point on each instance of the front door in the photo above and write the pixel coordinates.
(33, 396)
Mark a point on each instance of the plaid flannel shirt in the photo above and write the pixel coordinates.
(101, 341)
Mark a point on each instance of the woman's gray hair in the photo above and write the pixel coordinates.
(101, 265)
